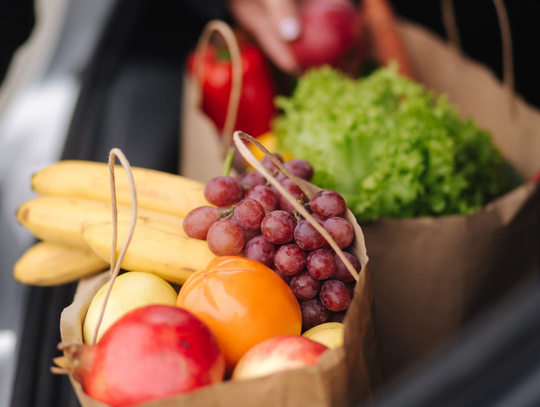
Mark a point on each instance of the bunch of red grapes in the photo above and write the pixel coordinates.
(252, 216)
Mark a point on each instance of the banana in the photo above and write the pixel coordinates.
(156, 190)
(48, 264)
(61, 220)
(171, 257)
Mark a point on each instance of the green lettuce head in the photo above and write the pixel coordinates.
(391, 148)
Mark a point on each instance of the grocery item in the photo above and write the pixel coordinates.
(76, 194)
(199, 220)
(243, 302)
(130, 290)
(278, 354)
(266, 292)
(268, 229)
(385, 38)
(225, 238)
(152, 352)
(390, 147)
(60, 219)
(256, 107)
(48, 264)
(331, 32)
(329, 334)
(172, 257)
(156, 190)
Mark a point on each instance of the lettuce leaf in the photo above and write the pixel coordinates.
(389, 146)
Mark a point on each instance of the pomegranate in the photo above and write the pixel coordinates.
(152, 352)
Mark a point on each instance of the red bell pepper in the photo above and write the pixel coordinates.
(256, 108)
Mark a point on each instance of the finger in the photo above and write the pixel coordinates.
(304, 2)
(276, 49)
(283, 15)
(254, 17)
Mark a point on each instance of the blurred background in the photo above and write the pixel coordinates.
(80, 77)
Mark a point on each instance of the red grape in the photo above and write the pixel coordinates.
(318, 218)
(321, 264)
(223, 191)
(249, 179)
(306, 237)
(334, 295)
(279, 178)
(269, 165)
(287, 279)
(199, 220)
(313, 313)
(300, 168)
(265, 196)
(341, 231)
(261, 250)
(337, 316)
(278, 227)
(250, 234)
(291, 187)
(225, 238)
(328, 203)
(342, 272)
(304, 286)
(290, 259)
(249, 214)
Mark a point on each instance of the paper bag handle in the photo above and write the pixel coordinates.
(452, 33)
(236, 75)
(116, 262)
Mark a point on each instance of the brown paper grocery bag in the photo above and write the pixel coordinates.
(433, 275)
(342, 377)
(201, 157)
(202, 147)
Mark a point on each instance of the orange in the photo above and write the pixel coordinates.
(243, 302)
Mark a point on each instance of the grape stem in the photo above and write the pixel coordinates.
(227, 164)
(226, 213)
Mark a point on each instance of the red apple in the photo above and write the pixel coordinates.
(152, 352)
(280, 353)
(330, 28)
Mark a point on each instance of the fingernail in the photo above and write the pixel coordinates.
(289, 28)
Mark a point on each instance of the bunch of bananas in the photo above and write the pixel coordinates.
(72, 218)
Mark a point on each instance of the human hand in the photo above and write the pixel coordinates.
(273, 23)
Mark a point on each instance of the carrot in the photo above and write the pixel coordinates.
(385, 38)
